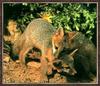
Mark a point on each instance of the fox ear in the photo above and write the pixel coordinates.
(71, 35)
(73, 53)
(60, 32)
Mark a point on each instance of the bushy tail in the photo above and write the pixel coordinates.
(18, 44)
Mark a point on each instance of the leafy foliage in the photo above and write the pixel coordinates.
(70, 16)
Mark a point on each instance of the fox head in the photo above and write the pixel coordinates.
(57, 41)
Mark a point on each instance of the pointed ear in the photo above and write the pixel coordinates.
(73, 53)
(60, 32)
(71, 35)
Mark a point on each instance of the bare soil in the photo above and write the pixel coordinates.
(14, 72)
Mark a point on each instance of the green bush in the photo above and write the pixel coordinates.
(71, 16)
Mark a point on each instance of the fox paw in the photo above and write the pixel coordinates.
(44, 80)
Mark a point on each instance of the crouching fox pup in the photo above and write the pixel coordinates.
(42, 35)
(85, 57)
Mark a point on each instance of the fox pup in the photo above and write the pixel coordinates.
(42, 35)
(85, 57)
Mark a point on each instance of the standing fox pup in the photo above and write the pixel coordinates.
(40, 34)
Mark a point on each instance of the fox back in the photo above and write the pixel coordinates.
(38, 34)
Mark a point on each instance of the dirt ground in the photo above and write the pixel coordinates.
(13, 72)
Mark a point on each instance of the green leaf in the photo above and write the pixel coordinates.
(77, 28)
(68, 28)
(91, 26)
(88, 32)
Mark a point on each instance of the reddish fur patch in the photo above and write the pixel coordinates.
(70, 37)
(49, 55)
(71, 34)
(57, 38)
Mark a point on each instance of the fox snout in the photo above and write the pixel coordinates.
(57, 42)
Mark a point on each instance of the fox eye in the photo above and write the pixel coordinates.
(56, 47)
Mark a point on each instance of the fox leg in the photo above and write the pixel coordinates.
(51, 59)
(46, 63)
(23, 53)
(44, 67)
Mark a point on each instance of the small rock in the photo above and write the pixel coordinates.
(6, 59)
(17, 61)
(4, 68)
(57, 75)
(34, 64)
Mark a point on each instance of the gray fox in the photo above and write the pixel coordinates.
(42, 35)
(85, 57)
